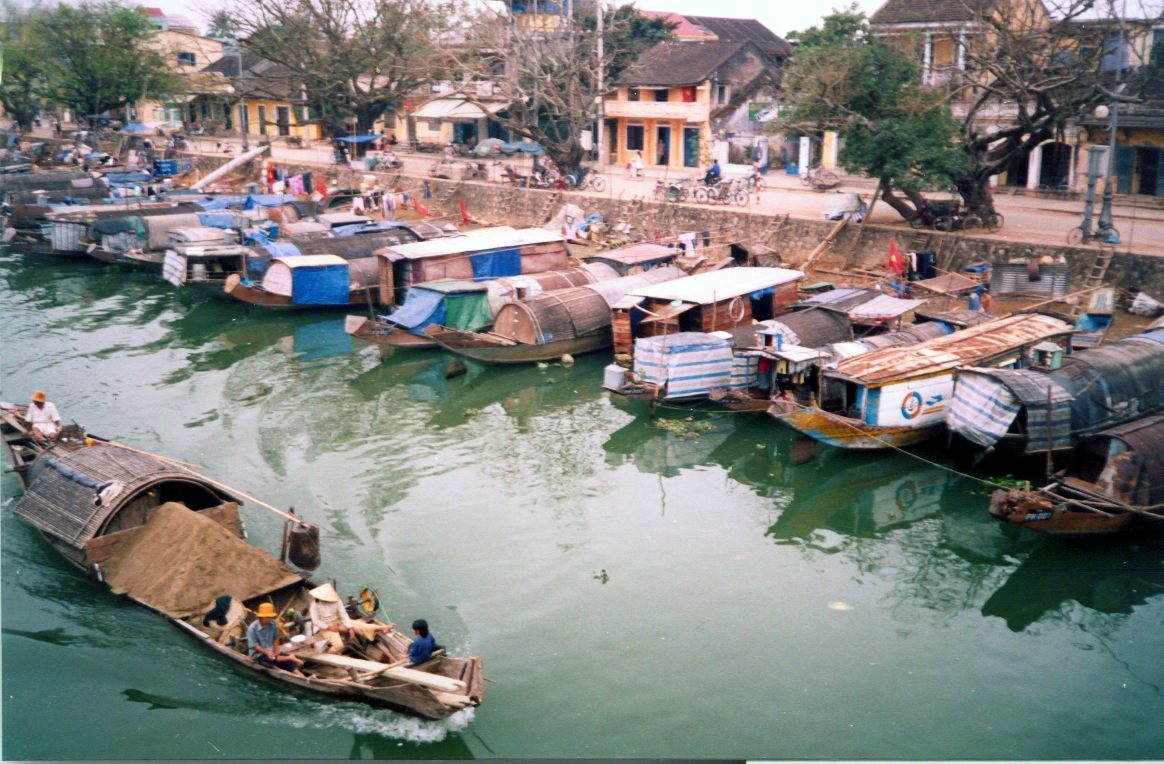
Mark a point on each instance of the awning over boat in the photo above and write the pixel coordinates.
(455, 109)
(309, 279)
(456, 304)
(667, 312)
(987, 401)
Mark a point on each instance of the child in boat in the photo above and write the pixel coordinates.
(263, 641)
(423, 643)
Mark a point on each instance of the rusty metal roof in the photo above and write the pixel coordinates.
(979, 345)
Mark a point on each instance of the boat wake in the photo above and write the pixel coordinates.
(362, 720)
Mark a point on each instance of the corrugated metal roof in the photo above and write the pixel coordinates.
(883, 307)
(978, 345)
(636, 254)
(481, 240)
(1146, 438)
(614, 290)
(706, 288)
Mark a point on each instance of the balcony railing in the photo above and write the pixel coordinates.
(685, 110)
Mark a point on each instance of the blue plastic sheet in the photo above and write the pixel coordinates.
(419, 309)
(358, 138)
(322, 285)
(283, 249)
(217, 219)
(496, 264)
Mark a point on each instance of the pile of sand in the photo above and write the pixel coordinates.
(180, 561)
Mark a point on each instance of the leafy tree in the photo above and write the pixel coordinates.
(352, 59)
(97, 56)
(548, 74)
(20, 66)
(844, 79)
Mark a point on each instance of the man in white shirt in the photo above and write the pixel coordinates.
(43, 419)
(331, 619)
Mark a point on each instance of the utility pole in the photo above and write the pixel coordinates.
(601, 127)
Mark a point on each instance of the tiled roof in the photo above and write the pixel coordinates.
(741, 30)
(683, 27)
(928, 11)
(675, 62)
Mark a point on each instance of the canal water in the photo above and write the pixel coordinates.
(639, 587)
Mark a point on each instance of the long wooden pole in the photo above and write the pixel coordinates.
(213, 482)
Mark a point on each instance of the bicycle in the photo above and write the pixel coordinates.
(988, 219)
(820, 179)
(1082, 234)
(584, 179)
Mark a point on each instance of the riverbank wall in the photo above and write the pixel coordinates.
(768, 239)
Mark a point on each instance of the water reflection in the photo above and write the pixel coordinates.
(1111, 576)
(674, 440)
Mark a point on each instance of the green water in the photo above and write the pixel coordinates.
(636, 591)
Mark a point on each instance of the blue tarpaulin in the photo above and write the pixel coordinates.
(420, 308)
(496, 264)
(523, 147)
(282, 249)
(214, 203)
(320, 285)
(374, 226)
(359, 138)
(217, 219)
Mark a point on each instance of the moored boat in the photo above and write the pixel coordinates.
(898, 396)
(1114, 482)
(308, 281)
(550, 325)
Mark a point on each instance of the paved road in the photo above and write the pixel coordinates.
(1028, 219)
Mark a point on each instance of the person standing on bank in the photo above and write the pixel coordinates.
(637, 165)
(263, 642)
(43, 418)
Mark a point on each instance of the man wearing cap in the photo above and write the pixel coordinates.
(331, 619)
(263, 641)
(43, 418)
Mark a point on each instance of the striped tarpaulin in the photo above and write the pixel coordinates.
(987, 401)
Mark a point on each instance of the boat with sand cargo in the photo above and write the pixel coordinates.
(167, 538)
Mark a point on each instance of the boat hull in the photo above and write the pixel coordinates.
(848, 433)
(1040, 512)
(251, 295)
(489, 348)
(385, 334)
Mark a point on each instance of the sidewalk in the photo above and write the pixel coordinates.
(1029, 219)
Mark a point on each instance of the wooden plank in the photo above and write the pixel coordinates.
(412, 676)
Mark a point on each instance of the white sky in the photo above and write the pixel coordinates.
(781, 16)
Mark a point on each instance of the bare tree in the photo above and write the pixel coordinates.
(351, 59)
(545, 72)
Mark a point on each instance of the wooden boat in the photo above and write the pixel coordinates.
(464, 305)
(898, 396)
(1049, 406)
(308, 281)
(171, 541)
(476, 255)
(1114, 482)
(550, 325)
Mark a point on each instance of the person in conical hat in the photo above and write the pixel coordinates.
(263, 641)
(331, 620)
(43, 418)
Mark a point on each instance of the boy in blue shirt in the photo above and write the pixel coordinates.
(423, 644)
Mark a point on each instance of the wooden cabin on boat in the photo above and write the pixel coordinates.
(478, 255)
(1030, 411)
(89, 499)
(1114, 482)
(552, 324)
(309, 281)
(705, 302)
(898, 396)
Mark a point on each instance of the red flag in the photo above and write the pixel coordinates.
(464, 212)
(420, 208)
(896, 262)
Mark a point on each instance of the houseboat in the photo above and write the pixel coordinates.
(898, 396)
(552, 324)
(1052, 404)
(1114, 482)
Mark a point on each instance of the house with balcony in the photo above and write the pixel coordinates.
(944, 37)
(682, 100)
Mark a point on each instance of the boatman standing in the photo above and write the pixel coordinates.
(43, 418)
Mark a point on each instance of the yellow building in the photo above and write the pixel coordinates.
(678, 95)
(256, 98)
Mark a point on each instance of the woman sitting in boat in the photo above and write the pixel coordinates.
(331, 619)
(423, 644)
(263, 642)
(43, 418)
